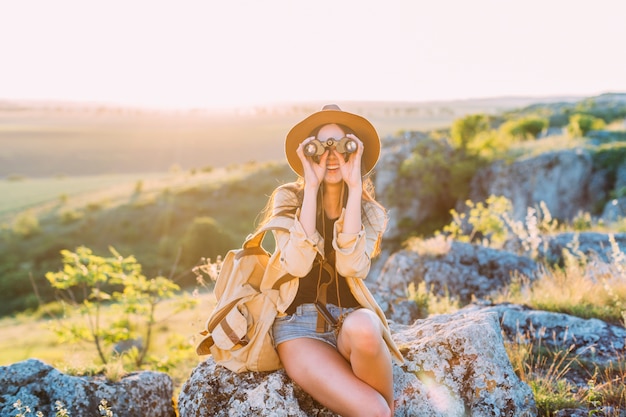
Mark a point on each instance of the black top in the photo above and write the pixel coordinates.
(307, 290)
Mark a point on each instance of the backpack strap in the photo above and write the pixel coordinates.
(275, 223)
(253, 243)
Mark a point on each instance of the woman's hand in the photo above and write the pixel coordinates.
(351, 169)
(313, 172)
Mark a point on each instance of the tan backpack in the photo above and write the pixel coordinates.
(238, 331)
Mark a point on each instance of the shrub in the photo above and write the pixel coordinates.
(464, 130)
(26, 225)
(204, 238)
(525, 128)
(580, 124)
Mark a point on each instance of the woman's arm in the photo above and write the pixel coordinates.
(297, 247)
(355, 250)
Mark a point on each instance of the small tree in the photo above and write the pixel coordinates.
(525, 128)
(464, 130)
(580, 124)
(88, 282)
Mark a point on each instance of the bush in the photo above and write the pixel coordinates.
(525, 128)
(464, 130)
(26, 225)
(204, 238)
(580, 124)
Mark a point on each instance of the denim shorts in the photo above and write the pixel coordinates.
(303, 323)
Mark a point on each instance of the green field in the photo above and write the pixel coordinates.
(30, 193)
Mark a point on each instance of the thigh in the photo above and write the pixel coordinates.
(324, 374)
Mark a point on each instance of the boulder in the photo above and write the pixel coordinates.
(39, 386)
(590, 339)
(403, 194)
(456, 365)
(560, 179)
(581, 244)
(461, 270)
(614, 210)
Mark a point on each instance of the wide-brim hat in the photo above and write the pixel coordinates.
(331, 113)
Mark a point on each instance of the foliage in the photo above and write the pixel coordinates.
(491, 224)
(608, 107)
(26, 225)
(443, 172)
(156, 226)
(609, 156)
(465, 129)
(581, 124)
(483, 221)
(88, 282)
(525, 128)
(203, 237)
(430, 303)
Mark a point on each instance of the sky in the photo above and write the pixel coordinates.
(244, 52)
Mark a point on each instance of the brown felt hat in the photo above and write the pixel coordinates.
(331, 113)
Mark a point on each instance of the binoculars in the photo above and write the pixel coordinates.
(316, 148)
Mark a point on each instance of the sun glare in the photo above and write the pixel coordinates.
(197, 54)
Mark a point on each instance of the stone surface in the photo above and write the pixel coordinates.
(456, 365)
(589, 244)
(404, 195)
(38, 386)
(461, 270)
(548, 177)
(590, 339)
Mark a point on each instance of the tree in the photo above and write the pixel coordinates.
(88, 282)
(464, 130)
(525, 128)
(580, 124)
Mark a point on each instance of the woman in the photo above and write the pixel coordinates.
(343, 361)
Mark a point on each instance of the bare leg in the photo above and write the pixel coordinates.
(361, 343)
(323, 373)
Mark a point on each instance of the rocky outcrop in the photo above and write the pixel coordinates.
(561, 179)
(615, 208)
(456, 365)
(461, 270)
(402, 194)
(589, 339)
(590, 245)
(39, 386)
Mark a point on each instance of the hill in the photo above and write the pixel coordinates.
(71, 139)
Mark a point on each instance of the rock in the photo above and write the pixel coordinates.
(456, 365)
(590, 339)
(38, 386)
(214, 391)
(461, 270)
(614, 210)
(583, 244)
(403, 195)
(560, 179)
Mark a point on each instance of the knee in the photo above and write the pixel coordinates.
(380, 410)
(364, 330)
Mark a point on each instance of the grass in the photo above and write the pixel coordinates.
(38, 193)
(28, 336)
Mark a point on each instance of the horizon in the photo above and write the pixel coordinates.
(155, 107)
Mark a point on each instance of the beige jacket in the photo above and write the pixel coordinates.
(295, 253)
